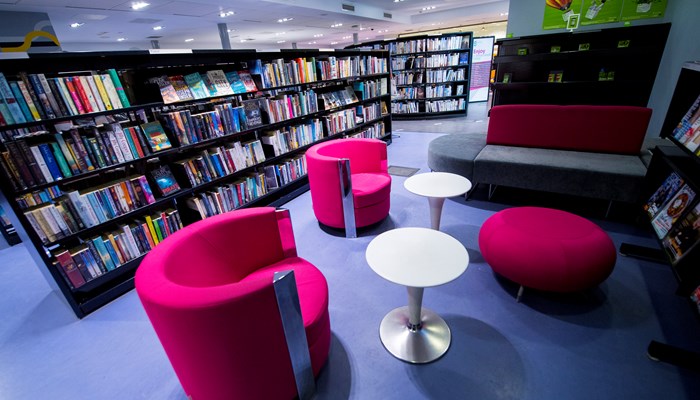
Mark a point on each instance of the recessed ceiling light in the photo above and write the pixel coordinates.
(334, 42)
(225, 14)
(76, 24)
(504, 14)
(284, 19)
(121, 39)
(230, 30)
(281, 41)
(157, 28)
(336, 25)
(312, 42)
(347, 37)
(139, 5)
(397, 1)
(428, 8)
(280, 33)
(318, 35)
(189, 40)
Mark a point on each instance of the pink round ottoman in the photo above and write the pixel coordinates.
(547, 249)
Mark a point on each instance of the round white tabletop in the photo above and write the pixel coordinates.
(417, 257)
(437, 184)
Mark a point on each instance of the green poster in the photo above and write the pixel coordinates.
(600, 11)
(557, 12)
(638, 9)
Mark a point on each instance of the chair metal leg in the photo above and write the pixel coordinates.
(346, 198)
(492, 190)
(285, 287)
(521, 290)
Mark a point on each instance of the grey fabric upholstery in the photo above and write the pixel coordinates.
(594, 175)
(455, 153)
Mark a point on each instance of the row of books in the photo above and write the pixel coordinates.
(12, 133)
(284, 140)
(348, 67)
(284, 73)
(285, 172)
(445, 105)
(446, 75)
(447, 43)
(414, 92)
(340, 121)
(407, 78)
(438, 91)
(447, 60)
(338, 98)
(34, 97)
(101, 254)
(287, 106)
(370, 112)
(196, 86)
(411, 46)
(405, 108)
(228, 197)
(78, 210)
(371, 89)
(38, 197)
(376, 131)
(80, 151)
(687, 132)
(407, 62)
(220, 161)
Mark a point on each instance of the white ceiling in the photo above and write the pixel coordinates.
(254, 24)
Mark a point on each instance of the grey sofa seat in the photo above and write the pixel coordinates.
(455, 153)
(587, 174)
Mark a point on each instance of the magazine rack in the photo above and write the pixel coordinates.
(671, 202)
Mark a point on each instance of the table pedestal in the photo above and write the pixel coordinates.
(435, 204)
(415, 334)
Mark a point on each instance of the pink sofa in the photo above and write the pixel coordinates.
(208, 292)
(371, 183)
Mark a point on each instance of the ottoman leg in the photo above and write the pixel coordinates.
(520, 293)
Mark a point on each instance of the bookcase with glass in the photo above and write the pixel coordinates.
(105, 155)
(671, 202)
(430, 75)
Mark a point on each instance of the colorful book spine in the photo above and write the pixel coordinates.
(41, 95)
(20, 100)
(50, 160)
(70, 270)
(70, 85)
(33, 95)
(49, 95)
(119, 88)
(65, 94)
(28, 99)
(13, 108)
(111, 91)
(102, 91)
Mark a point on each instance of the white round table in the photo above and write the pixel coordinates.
(416, 258)
(437, 186)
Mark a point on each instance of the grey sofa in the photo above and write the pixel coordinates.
(588, 151)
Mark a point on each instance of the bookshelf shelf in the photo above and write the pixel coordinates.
(167, 136)
(629, 55)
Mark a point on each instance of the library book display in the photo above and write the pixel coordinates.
(104, 155)
(417, 258)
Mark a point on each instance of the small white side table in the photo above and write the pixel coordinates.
(416, 258)
(437, 186)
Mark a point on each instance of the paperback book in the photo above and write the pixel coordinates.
(665, 219)
(157, 139)
(165, 181)
(196, 84)
(663, 194)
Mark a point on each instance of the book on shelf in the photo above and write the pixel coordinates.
(167, 91)
(684, 236)
(118, 87)
(196, 84)
(253, 115)
(165, 181)
(663, 194)
(236, 83)
(668, 215)
(688, 129)
(157, 139)
(11, 104)
(181, 88)
(69, 269)
(217, 83)
(248, 81)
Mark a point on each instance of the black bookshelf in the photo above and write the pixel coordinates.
(615, 66)
(135, 69)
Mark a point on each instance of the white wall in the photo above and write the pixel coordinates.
(525, 18)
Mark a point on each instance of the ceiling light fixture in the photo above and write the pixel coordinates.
(347, 37)
(281, 41)
(284, 20)
(312, 42)
(336, 25)
(76, 24)
(230, 30)
(225, 14)
(139, 5)
(334, 42)
(121, 39)
(157, 28)
(428, 8)
(398, 1)
(280, 33)
(189, 40)
(318, 35)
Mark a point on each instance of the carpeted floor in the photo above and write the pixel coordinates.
(583, 346)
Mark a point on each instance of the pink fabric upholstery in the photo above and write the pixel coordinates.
(208, 293)
(547, 249)
(371, 183)
(604, 129)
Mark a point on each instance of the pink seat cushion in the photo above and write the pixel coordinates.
(312, 289)
(370, 188)
(547, 249)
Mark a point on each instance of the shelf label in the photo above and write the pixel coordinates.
(584, 46)
(623, 43)
(555, 49)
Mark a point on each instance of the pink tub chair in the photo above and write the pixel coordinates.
(208, 291)
(350, 185)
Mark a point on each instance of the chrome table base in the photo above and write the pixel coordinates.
(419, 344)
